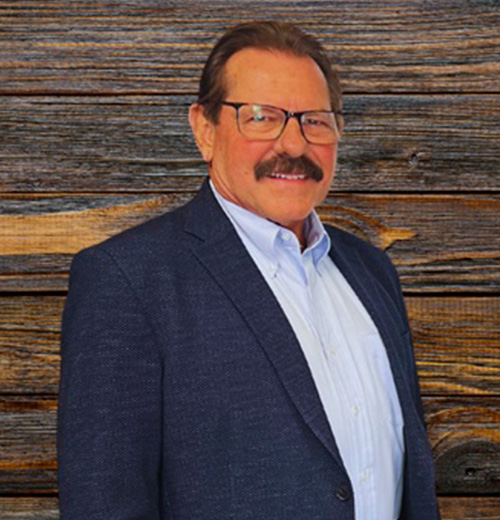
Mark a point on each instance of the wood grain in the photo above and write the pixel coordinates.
(29, 344)
(457, 344)
(465, 440)
(128, 46)
(469, 508)
(438, 242)
(28, 445)
(29, 508)
(463, 433)
(144, 143)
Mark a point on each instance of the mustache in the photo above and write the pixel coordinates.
(283, 163)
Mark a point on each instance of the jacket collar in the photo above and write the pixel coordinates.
(220, 250)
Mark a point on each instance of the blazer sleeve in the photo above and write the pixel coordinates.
(109, 419)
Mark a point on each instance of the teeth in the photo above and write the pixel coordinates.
(288, 176)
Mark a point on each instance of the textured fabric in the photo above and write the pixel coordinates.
(185, 394)
(343, 350)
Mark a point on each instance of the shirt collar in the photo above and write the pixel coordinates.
(266, 235)
(318, 239)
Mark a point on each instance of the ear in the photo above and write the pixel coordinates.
(203, 131)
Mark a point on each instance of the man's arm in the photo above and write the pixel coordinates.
(109, 424)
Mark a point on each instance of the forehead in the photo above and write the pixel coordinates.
(276, 78)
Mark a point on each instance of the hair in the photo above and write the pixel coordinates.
(269, 35)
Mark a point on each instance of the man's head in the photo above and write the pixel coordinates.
(280, 176)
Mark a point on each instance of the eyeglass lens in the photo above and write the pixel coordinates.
(262, 122)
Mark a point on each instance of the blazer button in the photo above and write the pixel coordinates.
(343, 492)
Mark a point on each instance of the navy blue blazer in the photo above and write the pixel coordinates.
(185, 394)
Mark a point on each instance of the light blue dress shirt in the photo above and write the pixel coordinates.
(344, 351)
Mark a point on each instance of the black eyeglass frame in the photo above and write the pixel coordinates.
(288, 115)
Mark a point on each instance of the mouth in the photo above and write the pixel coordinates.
(286, 168)
(288, 176)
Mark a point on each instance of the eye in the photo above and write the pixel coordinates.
(315, 121)
(257, 115)
(254, 118)
(264, 116)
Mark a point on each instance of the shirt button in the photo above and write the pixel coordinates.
(364, 476)
(343, 492)
(332, 353)
(355, 410)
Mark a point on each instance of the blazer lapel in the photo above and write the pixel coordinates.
(382, 310)
(220, 250)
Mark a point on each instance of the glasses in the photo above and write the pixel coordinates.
(265, 122)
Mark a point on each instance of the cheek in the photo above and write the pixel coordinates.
(328, 160)
(247, 155)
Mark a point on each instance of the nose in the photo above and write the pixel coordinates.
(291, 141)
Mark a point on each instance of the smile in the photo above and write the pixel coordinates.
(288, 176)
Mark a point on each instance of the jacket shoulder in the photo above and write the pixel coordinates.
(168, 224)
(144, 243)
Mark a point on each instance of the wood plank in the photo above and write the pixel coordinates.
(28, 445)
(465, 441)
(30, 343)
(28, 480)
(29, 361)
(388, 46)
(438, 242)
(457, 344)
(463, 433)
(469, 508)
(29, 508)
(144, 143)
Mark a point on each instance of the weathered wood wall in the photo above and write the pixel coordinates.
(94, 138)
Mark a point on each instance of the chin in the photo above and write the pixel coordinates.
(289, 219)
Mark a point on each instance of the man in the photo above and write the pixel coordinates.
(234, 358)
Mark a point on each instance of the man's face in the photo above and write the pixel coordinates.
(288, 82)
